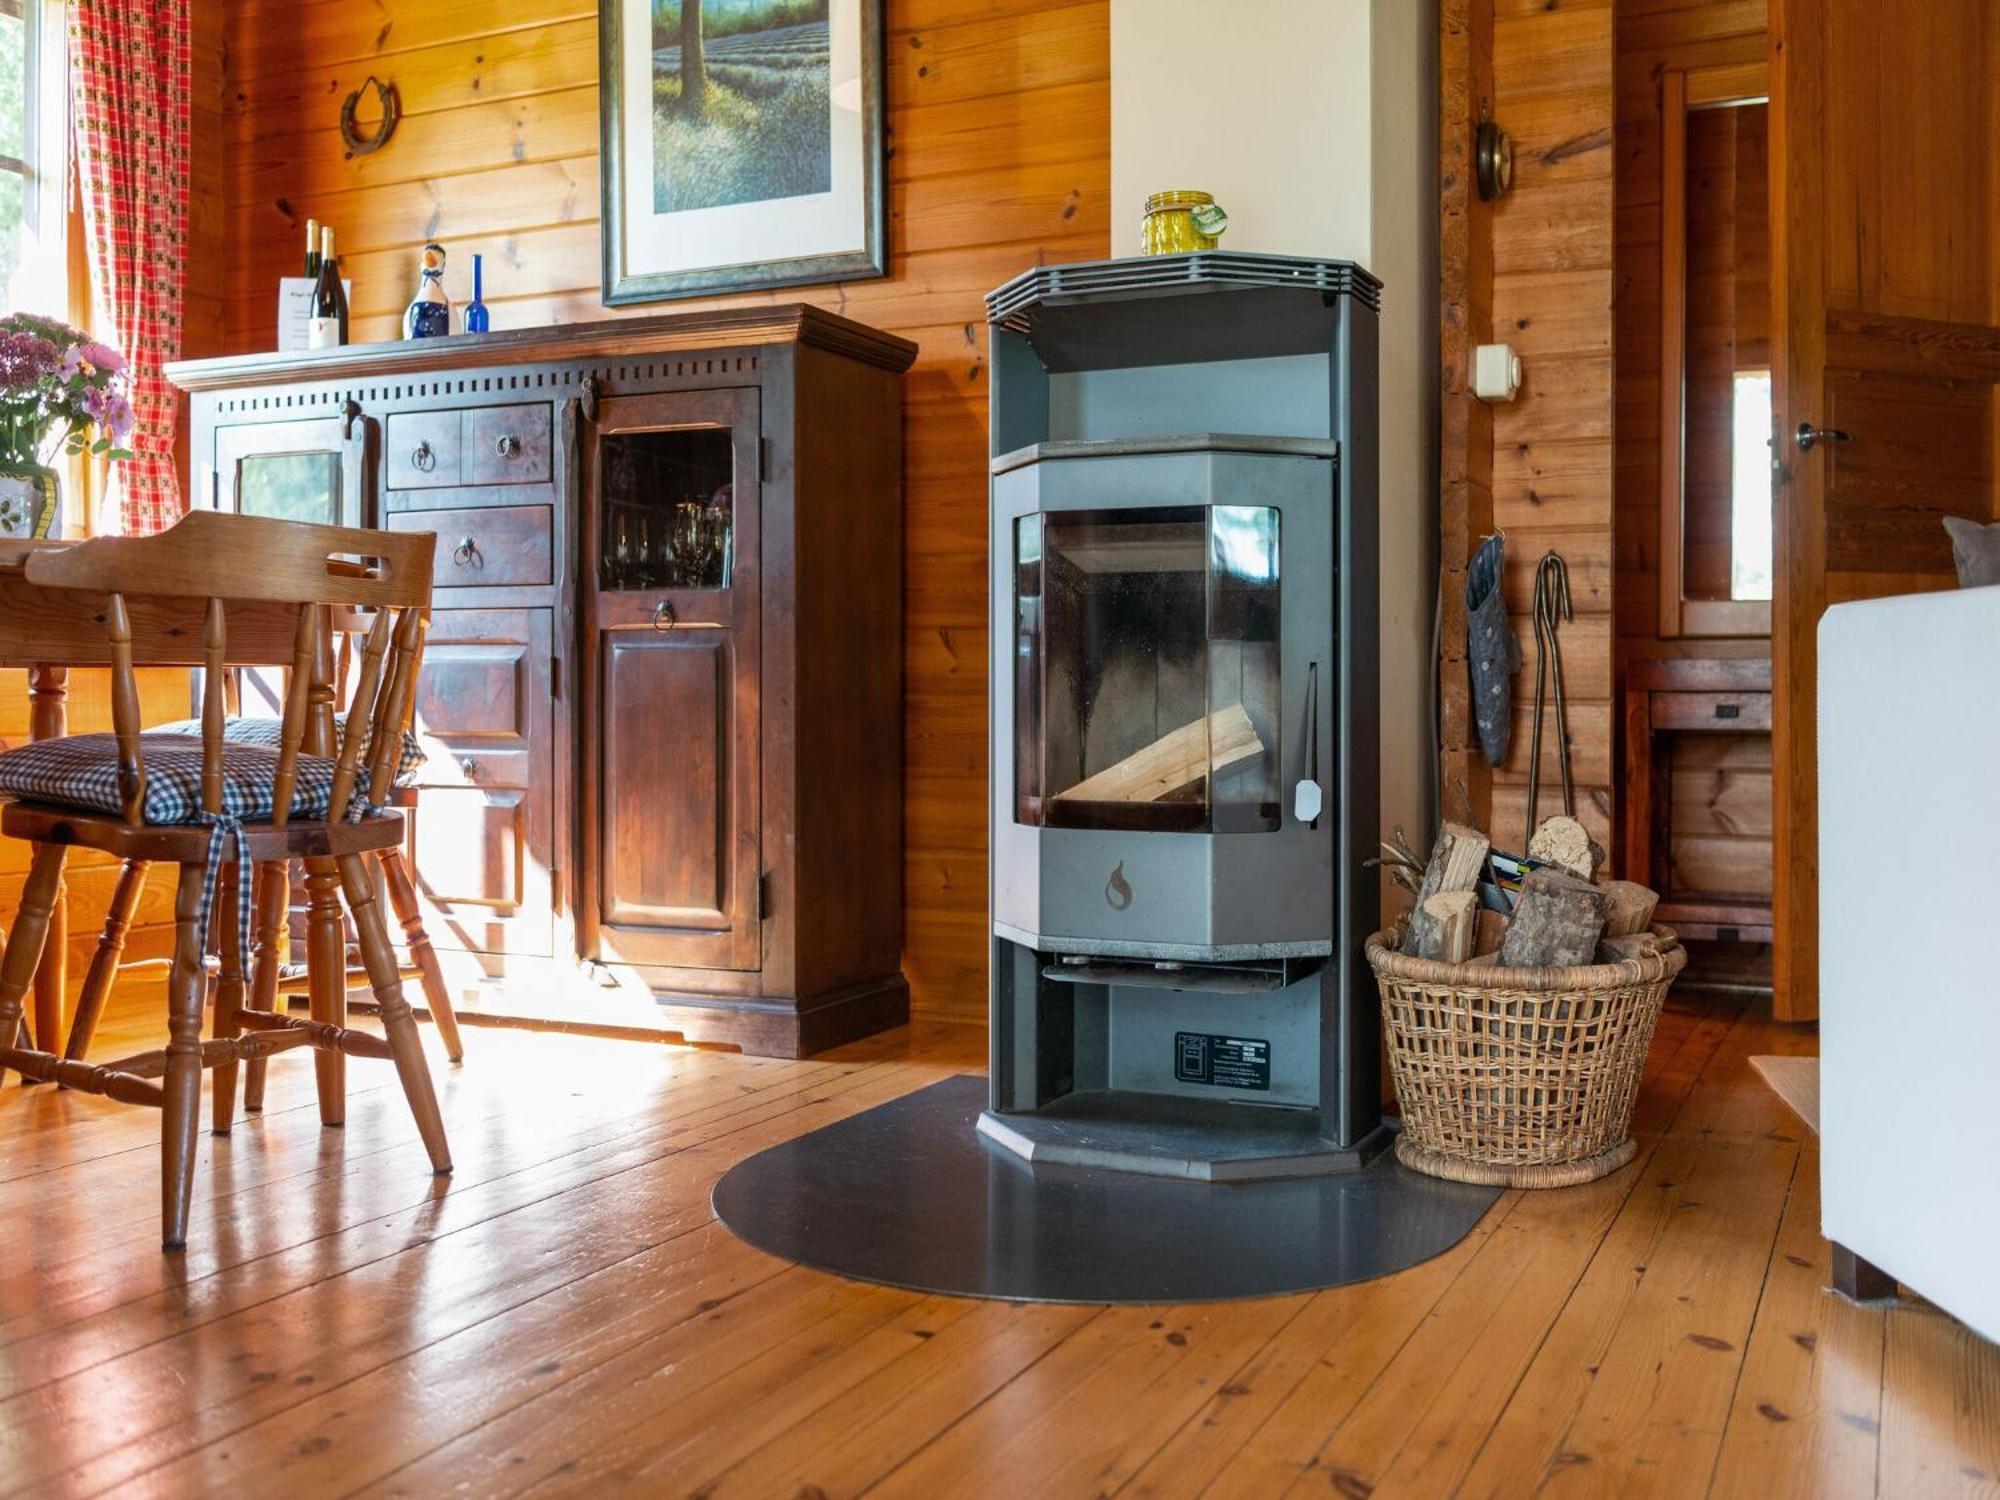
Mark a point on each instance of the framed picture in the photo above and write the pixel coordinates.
(742, 144)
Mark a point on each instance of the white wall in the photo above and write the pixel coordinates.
(1314, 123)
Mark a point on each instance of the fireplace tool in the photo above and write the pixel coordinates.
(1552, 607)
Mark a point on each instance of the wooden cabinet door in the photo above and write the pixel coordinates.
(1886, 360)
(484, 831)
(311, 469)
(672, 837)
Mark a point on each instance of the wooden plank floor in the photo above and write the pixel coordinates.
(565, 1316)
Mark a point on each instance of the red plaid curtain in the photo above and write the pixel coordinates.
(129, 88)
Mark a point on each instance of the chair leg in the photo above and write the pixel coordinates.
(103, 971)
(326, 964)
(430, 973)
(274, 896)
(180, 1122)
(397, 1021)
(228, 997)
(23, 954)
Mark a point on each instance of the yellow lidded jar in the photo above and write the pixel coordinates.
(1181, 220)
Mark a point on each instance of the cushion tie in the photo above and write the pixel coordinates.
(224, 831)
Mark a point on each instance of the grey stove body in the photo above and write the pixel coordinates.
(1184, 716)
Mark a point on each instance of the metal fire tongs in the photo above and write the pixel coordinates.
(1552, 607)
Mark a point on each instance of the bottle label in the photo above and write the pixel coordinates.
(322, 333)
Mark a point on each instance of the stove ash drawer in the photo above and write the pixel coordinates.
(493, 546)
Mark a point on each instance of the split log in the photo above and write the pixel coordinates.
(1631, 907)
(1566, 842)
(1173, 761)
(1490, 932)
(1456, 914)
(1456, 860)
(1557, 921)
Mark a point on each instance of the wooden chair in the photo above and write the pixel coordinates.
(216, 809)
(350, 629)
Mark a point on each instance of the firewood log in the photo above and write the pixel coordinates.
(1457, 916)
(1558, 920)
(1205, 747)
(1491, 932)
(1631, 907)
(1456, 860)
(1564, 841)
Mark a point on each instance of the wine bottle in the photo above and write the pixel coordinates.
(476, 320)
(312, 249)
(429, 313)
(326, 324)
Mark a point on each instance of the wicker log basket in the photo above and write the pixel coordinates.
(1521, 1077)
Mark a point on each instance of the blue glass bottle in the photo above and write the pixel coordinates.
(475, 311)
(429, 315)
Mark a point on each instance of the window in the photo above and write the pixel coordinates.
(33, 153)
(1750, 488)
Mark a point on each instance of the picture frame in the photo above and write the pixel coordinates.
(775, 179)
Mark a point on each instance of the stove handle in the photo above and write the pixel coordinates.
(1307, 798)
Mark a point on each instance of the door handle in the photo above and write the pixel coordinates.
(1809, 436)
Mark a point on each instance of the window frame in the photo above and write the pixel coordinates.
(43, 283)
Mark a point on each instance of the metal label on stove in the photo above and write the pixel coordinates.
(1225, 1062)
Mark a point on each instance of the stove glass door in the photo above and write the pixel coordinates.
(1147, 669)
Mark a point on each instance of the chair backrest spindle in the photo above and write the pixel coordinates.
(125, 716)
(361, 711)
(298, 695)
(214, 711)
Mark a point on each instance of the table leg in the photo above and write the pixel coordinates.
(48, 719)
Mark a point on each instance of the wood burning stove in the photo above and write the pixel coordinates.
(1184, 715)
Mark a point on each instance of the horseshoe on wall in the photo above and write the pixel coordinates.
(360, 143)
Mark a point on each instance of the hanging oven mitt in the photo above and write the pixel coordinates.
(1492, 654)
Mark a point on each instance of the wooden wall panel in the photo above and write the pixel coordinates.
(1552, 448)
(999, 120)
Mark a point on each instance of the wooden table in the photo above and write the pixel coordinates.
(48, 631)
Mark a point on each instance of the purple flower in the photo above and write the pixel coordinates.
(102, 357)
(25, 359)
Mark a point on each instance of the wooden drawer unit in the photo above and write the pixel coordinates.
(420, 450)
(485, 822)
(1713, 712)
(506, 445)
(487, 547)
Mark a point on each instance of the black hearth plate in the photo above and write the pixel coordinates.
(909, 1195)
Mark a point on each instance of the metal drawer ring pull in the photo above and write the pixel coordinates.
(508, 446)
(664, 617)
(466, 553)
(422, 459)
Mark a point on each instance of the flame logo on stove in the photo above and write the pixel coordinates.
(1118, 890)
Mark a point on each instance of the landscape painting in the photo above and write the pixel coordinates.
(742, 144)
(741, 101)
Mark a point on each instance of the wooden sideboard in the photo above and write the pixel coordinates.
(663, 687)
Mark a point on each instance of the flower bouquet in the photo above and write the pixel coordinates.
(60, 392)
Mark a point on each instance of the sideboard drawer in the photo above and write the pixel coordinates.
(1713, 711)
(420, 451)
(484, 548)
(506, 445)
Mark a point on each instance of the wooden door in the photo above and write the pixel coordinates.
(672, 845)
(1886, 143)
(483, 834)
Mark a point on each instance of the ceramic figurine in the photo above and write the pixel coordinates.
(429, 315)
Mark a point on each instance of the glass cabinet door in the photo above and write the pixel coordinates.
(294, 471)
(667, 516)
(1147, 669)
